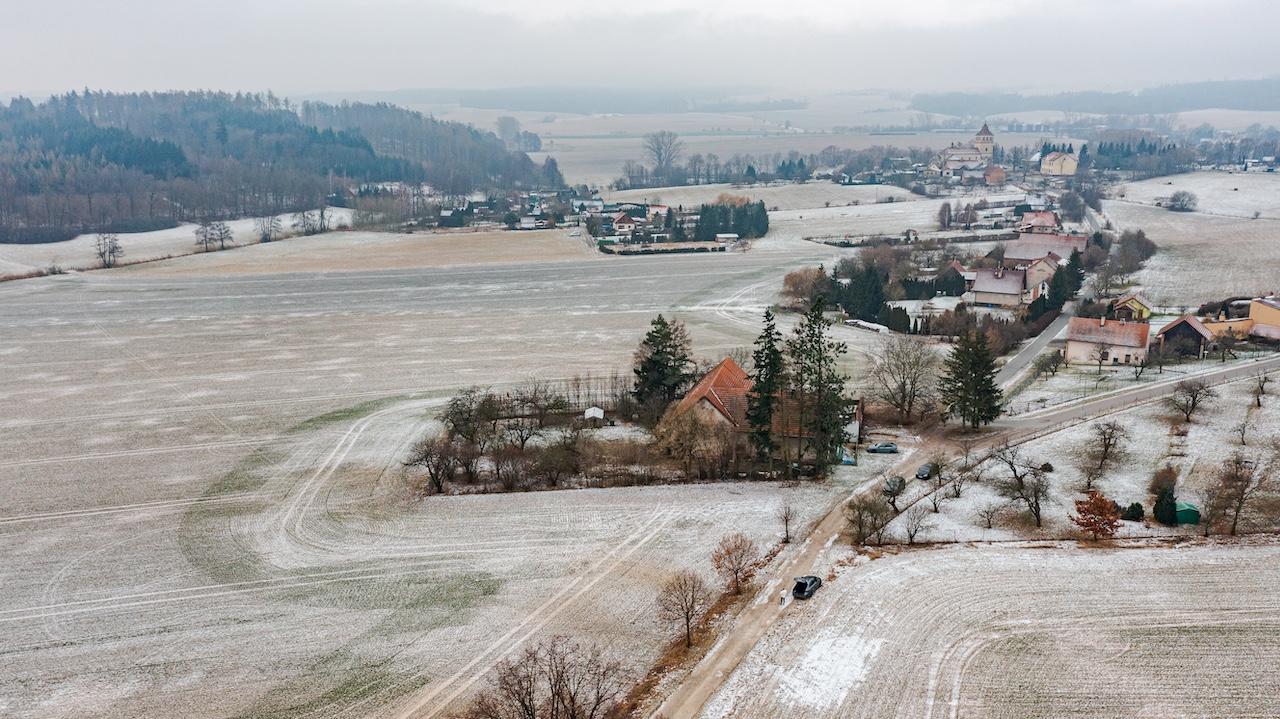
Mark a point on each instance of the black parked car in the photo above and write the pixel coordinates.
(805, 587)
(926, 471)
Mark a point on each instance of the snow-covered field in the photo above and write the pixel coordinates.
(1235, 194)
(1202, 257)
(784, 196)
(1022, 631)
(202, 511)
(78, 253)
(373, 251)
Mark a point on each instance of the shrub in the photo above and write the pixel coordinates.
(1166, 508)
(1133, 513)
(1165, 478)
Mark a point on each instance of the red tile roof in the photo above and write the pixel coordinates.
(1116, 333)
(725, 387)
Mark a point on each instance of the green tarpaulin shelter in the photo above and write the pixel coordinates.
(1188, 513)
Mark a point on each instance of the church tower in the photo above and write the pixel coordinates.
(985, 142)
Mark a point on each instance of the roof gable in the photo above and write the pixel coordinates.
(725, 388)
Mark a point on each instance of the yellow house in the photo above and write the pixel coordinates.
(1133, 307)
(1059, 164)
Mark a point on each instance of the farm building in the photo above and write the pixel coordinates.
(1111, 341)
(1185, 336)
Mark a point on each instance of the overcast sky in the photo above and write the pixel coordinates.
(793, 46)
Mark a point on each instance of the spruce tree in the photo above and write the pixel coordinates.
(1166, 507)
(815, 381)
(1059, 290)
(766, 382)
(969, 386)
(663, 367)
(1075, 272)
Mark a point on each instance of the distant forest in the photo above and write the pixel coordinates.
(95, 161)
(586, 101)
(1230, 94)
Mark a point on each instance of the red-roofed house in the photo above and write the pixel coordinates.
(1113, 341)
(1038, 221)
(721, 395)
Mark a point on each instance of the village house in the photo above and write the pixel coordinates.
(994, 176)
(998, 287)
(1020, 253)
(1059, 164)
(720, 398)
(1112, 342)
(1185, 336)
(1132, 307)
(1039, 273)
(1039, 221)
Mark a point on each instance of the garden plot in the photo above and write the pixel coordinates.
(1021, 632)
(78, 253)
(1233, 194)
(1201, 257)
(1077, 382)
(1208, 441)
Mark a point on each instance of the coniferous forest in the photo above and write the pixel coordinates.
(99, 161)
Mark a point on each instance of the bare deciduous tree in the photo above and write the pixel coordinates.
(664, 148)
(558, 679)
(786, 515)
(1260, 382)
(1100, 353)
(107, 248)
(268, 227)
(1028, 482)
(1241, 480)
(988, 513)
(733, 558)
(437, 454)
(1189, 395)
(918, 520)
(682, 599)
(1242, 429)
(905, 374)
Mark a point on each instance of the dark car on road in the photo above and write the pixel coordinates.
(883, 448)
(926, 471)
(805, 587)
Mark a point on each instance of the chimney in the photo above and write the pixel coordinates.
(1102, 321)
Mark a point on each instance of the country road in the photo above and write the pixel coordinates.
(693, 692)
